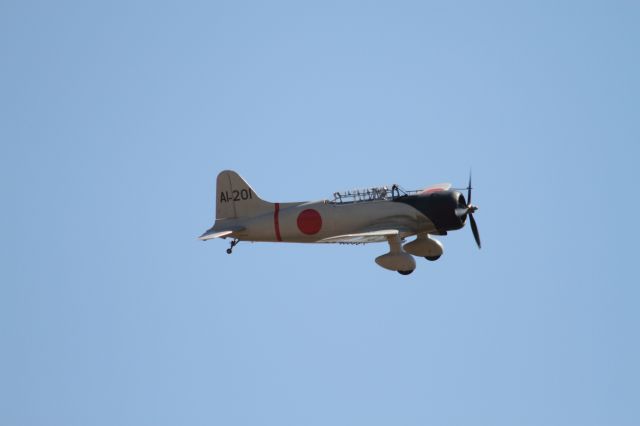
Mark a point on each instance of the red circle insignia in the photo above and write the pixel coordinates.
(309, 222)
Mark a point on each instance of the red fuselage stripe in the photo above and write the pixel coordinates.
(276, 222)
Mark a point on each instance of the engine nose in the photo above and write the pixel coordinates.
(444, 210)
(440, 207)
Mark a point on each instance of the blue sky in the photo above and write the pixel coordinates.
(117, 116)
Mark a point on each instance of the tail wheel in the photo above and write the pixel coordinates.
(405, 272)
(234, 243)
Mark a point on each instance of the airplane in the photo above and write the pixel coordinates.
(379, 214)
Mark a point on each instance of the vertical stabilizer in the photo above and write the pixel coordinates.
(236, 199)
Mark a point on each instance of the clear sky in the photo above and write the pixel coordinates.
(117, 116)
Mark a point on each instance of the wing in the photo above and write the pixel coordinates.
(362, 237)
(372, 234)
(211, 233)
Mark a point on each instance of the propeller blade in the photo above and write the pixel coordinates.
(474, 229)
(469, 190)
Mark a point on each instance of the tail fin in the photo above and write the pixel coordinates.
(236, 199)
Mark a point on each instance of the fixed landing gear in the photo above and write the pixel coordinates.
(397, 259)
(234, 242)
(432, 258)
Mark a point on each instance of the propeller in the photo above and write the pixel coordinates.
(470, 209)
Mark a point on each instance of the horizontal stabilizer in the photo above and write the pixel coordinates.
(211, 234)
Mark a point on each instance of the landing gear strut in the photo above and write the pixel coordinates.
(234, 242)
